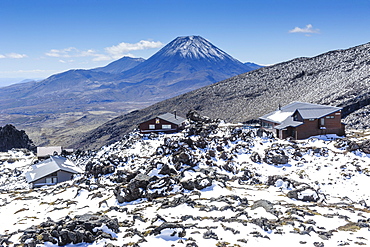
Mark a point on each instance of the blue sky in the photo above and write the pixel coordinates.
(39, 38)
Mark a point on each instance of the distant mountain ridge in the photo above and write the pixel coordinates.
(338, 78)
(120, 65)
(185, 64)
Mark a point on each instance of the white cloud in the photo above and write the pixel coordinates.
(16, 55)
(113, 52)
(66, 61)
(13, 55)
(307, 30)
(67, 52)
(123, 48)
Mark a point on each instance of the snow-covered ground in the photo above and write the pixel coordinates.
(223, 186)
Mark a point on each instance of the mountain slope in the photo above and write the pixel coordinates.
(194, 51)
(165, 74)
(120, 65)
(338, 78)
(185, 64)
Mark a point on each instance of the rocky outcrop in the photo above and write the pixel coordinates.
(275, 156)
(224, 187)
(337, 78)
(82, 228)
(10, 138)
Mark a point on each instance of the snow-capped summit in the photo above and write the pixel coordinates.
(194, 47)
(186, 57)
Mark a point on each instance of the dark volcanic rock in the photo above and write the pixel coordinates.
(197, 118)
(305, 193)
(210, 235)
(365, 147)
(10, 138)
(83, 228)
(166, 225)
(134, 190)
(202, 183)
(275, 156)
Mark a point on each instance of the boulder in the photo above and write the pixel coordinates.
(281, 181)
(275, 156)
(255, 157)
(135, 189)
(78, 230)
(140, 181)
(166, 170)
(202, 183)
(182, 158)
(210, 235)
(267, 205)
(11, 138)
(166, 225)
(196, 117)
(160, 187)
(188, 184)
(365, 146)
(305, 193)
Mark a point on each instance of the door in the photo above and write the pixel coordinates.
(322, 121)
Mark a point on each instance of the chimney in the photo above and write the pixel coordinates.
(174, 112)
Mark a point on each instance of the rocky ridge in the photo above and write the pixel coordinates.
(338, 78)
(214, 184)
(10, 138)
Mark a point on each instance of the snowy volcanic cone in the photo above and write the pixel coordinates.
(192, 53)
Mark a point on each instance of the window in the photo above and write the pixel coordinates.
(51, 180)
(329, 116)
(152, 126)
(266, 125)
(311, 119)
(166, 126)
(157, 120)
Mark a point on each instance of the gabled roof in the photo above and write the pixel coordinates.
(306, 110)
(289, 122)
(312, 112)
(51, 165)
(172, 118)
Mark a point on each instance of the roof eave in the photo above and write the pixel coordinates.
(294, 126)
(269, 120)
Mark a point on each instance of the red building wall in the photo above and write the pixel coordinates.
(158, 123)
(332, 125)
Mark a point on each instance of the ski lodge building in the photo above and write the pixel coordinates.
(301, 120)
